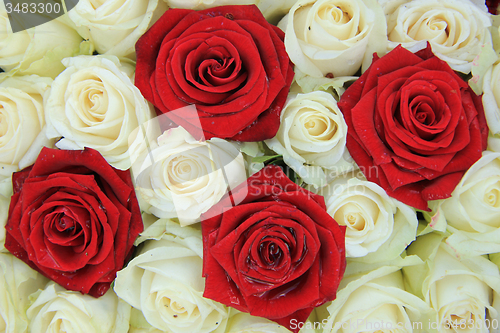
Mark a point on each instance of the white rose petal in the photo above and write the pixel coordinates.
(241, 322)
(472, 213)
(182, 177)
(458, 290)
(21, 119)
(379, 227)
(5, 194)
(55, 309)
(375, 300)
(273, 10)
(94, 104)
(491, 103)
(38, 50)
(165, 282)
(114, 26)
(312, 136)
(333, 36)
(18, 282)
(456, 29)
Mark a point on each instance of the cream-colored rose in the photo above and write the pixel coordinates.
(273, 10)
(241, 322)
(18, 281)
(183, 177)
(456, 29)
(165, 282)
(38, 50)
(114, 26)
(138, 323)
(21, 120)
(333, 36)
(373, 299)
(55, 309)
(5, 194)
(460, 291)
(379, 227)
(491, 103)
(312, 136)
(472, 213)
(95, 104)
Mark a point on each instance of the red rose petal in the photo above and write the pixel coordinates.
(79, 195)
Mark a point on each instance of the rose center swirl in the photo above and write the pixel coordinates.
(433, 27)
(215, 67)
(334, 13)
(492, 197)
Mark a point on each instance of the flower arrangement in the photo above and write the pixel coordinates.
(251, 166)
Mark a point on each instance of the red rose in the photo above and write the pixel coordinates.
(415, 126)
(73, 218)
(278, 254)
(228, 61)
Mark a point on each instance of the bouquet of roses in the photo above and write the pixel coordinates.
(250, 166)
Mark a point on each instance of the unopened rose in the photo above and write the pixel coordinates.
(114, 26)
(333, 36)
(456, 29)
(459, 290)
(312, 136)
(55, 309)
(38, 50)
(94, 104)
(164, 282)
(18, 282)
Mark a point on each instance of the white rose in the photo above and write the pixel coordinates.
(379, 227)
(165, 282)
(472, 213)
(18, 282)
(182, 177)
(333, 36)
(273, 10)
(55, 309)
(21, 120)
(38, 50)
(94, 103)
(491, 103)
(5, 194)
(374, 300)
(460, 291)
(138, 323)
(312, 136)
(114, 26)
(241, 322)
(456, 29)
